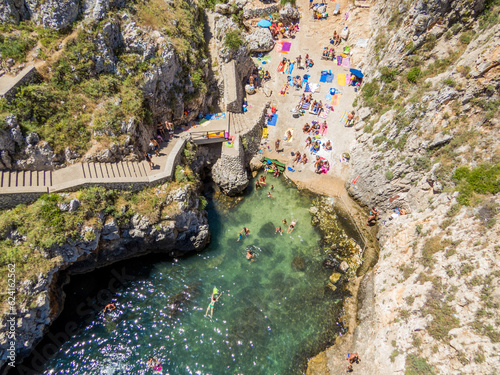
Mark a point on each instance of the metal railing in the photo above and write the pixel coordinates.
(209, 134)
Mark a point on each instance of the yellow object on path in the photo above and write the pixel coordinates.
(341, 79)
(264, 133)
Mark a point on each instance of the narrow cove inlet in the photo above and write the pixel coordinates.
(273, 313)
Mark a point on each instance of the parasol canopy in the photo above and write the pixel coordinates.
(357, 73)
(264, 23)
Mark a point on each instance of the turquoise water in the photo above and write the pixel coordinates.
(270, 317)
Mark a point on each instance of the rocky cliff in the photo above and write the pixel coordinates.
(105, 81)
(427, 142)
(100, 228)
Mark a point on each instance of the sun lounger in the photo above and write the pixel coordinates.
(337, 9)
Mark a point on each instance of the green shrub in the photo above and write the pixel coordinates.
(233, 40)
(421, 164)
(416, 365)
(388, 75)
(16, 47)
(203, 203)
(180, 174)
(413, 74)
(431, 246)
(484, 179)
(466, 37)
(443, 321)
(450, 82)
(389, 175)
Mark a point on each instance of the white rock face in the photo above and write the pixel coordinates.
(261, 40)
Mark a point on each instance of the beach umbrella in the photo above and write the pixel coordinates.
(357, 73)
(264, 23)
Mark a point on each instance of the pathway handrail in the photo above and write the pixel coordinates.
(205, 134)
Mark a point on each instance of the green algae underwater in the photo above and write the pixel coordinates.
(274, 312)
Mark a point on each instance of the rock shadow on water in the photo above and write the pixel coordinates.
(267, 230)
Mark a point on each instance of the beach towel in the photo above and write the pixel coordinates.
(216, 116)
(273, 120)
(343, 117)
(336, 99)
(314, 87)
(346, 63)
(281, 66)
(306, 106)
(286, 47)
(307, 88)
(328, 97)
(290, 69)
(306, 77)
(279, 46)
(290, 80)
(284, 89)
(347, 50)
(327, 77)
(339, 60)
(348, 79)
(264, 133)
(325, 113)
(341, 79)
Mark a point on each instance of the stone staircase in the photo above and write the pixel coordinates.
(33, 180)
(120, 175)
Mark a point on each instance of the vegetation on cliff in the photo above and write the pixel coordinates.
(92, 84)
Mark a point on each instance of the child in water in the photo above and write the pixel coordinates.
(250, 256)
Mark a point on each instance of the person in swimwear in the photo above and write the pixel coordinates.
(212, 304)
(269, 195)
(291, 227)
(109, 307)
(250, 256)
(278, 230)
(284, 222)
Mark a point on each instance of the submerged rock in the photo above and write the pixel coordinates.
(299, 264)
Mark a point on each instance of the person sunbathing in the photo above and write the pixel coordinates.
(318, 165)
(315, 128)
(328, 146)
(315, 147)
(304, 159)
(320, 107)
(315, 107)
(267, 76)
(288, 135)
(308, 142)
(324, 126)
(325, 167)
(317, 162)
(325, 52)
(306, 128)
(310, 98)
(296, 159)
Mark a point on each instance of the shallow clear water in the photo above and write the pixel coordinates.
(268, 319)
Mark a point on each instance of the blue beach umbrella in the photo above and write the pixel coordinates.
(357, 73)
(264, 23)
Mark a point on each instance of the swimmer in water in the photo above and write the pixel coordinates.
(109, 307)
(250, 256)
(291, 227)
(154, 364)
(284, 222)
(272, 187)
(269, 195)
(278, 230)
(212, 304)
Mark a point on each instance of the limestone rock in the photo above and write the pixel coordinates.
(334, 277)
(223, 8)
(97, 9)
(229, 171)
(261, 40)
(53, 14)
(32, 139)
(256, 162)
(289, 13)
(74, 204)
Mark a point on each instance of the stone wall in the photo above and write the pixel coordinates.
(9, 85)
(252, 137)
(261, 12)
(233, 88)
(229, 172)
